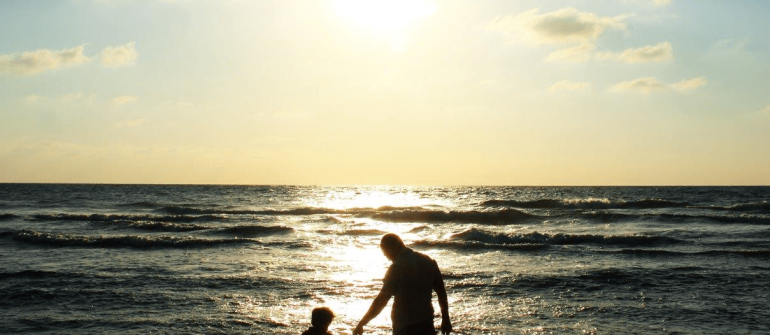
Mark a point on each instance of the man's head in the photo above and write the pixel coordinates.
(391, 245)
(322, 317)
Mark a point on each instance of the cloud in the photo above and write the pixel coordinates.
(644, 85)
(689, 84)
(652, 53)
(566, 85)
(579, 53)
(118, 56)
(34, 62)
(765, 111)
(566, 25)
(661, 3)
(651, 84)
(124, 100)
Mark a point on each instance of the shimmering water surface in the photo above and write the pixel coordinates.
(138, 259)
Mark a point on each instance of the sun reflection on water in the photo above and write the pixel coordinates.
(375, 198)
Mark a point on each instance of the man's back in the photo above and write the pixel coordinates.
(410, 280)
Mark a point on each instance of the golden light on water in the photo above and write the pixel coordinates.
(375, 198)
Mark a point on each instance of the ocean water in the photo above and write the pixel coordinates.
(163, 259)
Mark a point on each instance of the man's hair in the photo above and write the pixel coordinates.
(391, 240)
(322, 317)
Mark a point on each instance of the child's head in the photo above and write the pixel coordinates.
(322, 317)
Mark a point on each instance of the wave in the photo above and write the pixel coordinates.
(166, 227)
(479, 235)
(760, 206)
(362, 232)
(655, 252)
(256, 230)
(124, 217)
(294, 211)
(589, 203)
(387, 213)
(605, 203)
(141, 204)
(602, 216)
(478, 245)
(132, 241)
(434, 216)
(743, 218)
(4, 217)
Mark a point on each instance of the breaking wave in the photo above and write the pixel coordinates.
(479, 235)
(605, 203)
(589, 203)
(131, 241)
(655, 252)
(294, 211)
(432, 216)
(256, 230)
(762, 206)
(124, 217)
(363, 232)
(478, 245)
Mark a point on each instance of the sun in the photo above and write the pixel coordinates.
(384, 17)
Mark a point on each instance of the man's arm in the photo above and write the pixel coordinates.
(377, 305)
(438, 286)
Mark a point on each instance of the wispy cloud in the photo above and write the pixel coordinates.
(34, 62)
(566, 85)
(566, 25)
(644, 85)
(652, 53)
(579, 53)
(765, 111)
(689, 84)
(39, 61)
(119, 55)
(651, 84)
(124, 100)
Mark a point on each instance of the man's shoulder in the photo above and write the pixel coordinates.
(418, 256)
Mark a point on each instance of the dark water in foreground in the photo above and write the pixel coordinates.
(138, 259)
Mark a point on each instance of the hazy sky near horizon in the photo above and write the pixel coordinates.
(622, 92)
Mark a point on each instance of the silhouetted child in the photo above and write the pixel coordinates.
(321, 319)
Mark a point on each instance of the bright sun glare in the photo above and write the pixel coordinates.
(387, 17)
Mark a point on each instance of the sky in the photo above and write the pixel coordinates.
(420, 92)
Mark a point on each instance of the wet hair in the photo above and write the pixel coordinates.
(391, 240)
(322, 317)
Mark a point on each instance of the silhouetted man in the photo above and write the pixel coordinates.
(410, 280)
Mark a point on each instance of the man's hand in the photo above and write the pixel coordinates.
(446, 326)
(359, 330)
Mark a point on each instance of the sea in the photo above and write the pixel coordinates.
(240, 259)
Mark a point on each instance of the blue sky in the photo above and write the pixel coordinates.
(625, 92)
